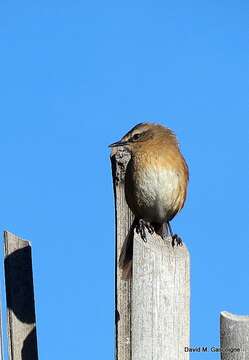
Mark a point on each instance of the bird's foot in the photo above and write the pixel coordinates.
(176, 240)
(141, 226)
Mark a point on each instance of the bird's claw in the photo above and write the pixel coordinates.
(141, 226)
(176, 240)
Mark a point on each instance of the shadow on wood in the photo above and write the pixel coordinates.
(19, 284)
(29, 349)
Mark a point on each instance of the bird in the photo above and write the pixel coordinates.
(156, 180)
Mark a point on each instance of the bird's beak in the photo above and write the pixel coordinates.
(118, 143)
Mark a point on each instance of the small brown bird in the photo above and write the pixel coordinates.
(156, 178)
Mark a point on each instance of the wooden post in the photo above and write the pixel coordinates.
(123, 219)
(152, 306)
(234, 336)
(20, 298)
(160, 300)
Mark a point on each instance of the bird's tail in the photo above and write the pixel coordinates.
(126, 254)
(161, 229)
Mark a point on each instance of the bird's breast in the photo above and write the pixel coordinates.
(153, 190)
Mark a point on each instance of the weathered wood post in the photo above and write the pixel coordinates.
(1, 332)
(234, 336)
(123, 219)
(20, 298)
(152, 307)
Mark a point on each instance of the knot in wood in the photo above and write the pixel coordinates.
(120, 158)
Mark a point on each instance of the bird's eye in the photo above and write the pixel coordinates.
(135, 137)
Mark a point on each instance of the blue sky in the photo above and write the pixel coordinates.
(75, 77)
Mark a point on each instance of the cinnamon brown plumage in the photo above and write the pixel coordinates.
(156, 177)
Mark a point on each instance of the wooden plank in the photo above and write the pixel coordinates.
(234, 336)
(20, 298)
(123, 217)
(160, 300)
(152, 306)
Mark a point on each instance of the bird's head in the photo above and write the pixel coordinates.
(146, 134)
